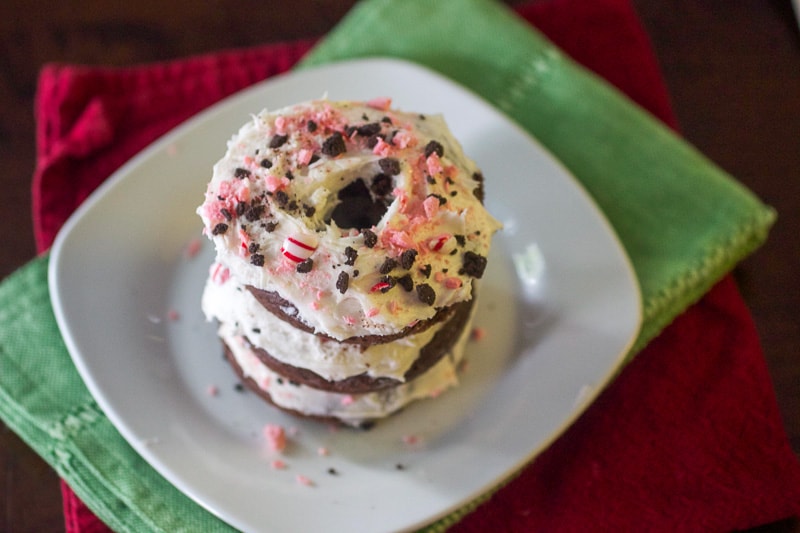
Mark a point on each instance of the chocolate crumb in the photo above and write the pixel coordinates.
(406, 282)
(400, 466)
(407, 258)
(253, 248)
(289, 175)
(426, 270)
(240, 208)
(390, 283)
(370, 129)
(351, 254)
(434, 147)
(386, 120)
(442, 199)
(430, 179)
(270, 226)
(227, 214)
(309, 210)
(304, 267)
(372, 141)
(314, 159)
(257, 260)
(266, 163)
(388, 265)
(278, 140)
(390, 166)
(311, 126)
(219, 229)
(334, 145)
(281, 198)
(381, 185)
(370, 239)
(472, 264)
(256, 330)
(239, 387)
(333, 472)
(355, 273)
(343, 282)
(460, 239)
(426, 294)
(254, 212)
(241, 173)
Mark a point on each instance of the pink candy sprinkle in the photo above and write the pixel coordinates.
(347, 400)
(275, 183)
(410, 439)
(212, 390)
(219, 273)
(431, 206)
(193, 248)
(323, 451)
(303, 480)
(304, 156)
(434, 165)
(280, 125)
(373, 312)
(276, 437)
(382, 148)
(452, 283)
(173, 315)
(382, 103)
(478, 334)
(277, 464)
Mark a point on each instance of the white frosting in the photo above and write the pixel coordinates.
(233, 305)
(352, 409)
(248, 242)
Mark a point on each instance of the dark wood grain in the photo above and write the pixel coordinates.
(732, 68)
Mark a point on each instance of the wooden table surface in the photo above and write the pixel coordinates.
(732, 68)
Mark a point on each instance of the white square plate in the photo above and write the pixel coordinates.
(559, 302)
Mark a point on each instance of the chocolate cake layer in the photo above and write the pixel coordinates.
(429, 355)
(285, 310)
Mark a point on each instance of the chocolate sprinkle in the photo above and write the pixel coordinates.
(407, 258)
(426, 294)
(278, 141)
(257, 260)
(305, 267)
(472, 264)
(226, 214)
(342, 282)
(351, 254)
(390, 166)
(334, 145)
(434, 147)
(388, 265)
(370, 239)
(219, 229)
(240, 208)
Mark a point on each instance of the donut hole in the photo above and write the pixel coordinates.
(360, 206)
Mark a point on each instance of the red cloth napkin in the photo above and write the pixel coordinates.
(688, 438)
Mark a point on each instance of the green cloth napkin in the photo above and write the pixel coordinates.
(684, 223)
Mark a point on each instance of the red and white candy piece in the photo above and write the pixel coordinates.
(298, 248)
(443, 243)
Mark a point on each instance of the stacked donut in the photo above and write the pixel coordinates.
(348, 240)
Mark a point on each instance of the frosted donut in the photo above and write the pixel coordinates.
(366, 219)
